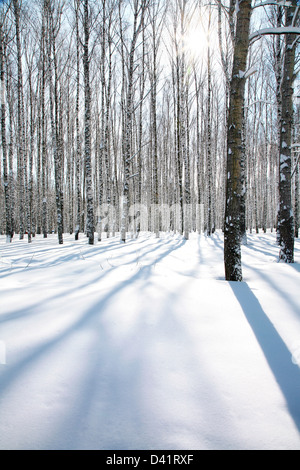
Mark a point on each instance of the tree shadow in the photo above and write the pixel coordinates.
(295, 266)
(88, 315)
(101, 371)
(276, 286)
(273, 347)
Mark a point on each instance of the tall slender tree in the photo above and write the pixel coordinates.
(20, 122)
(8, 218)
(87, 125)
(77, 123)
(139, 11)
(53, 28)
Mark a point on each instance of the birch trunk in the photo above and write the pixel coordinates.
(286, 218)
(232, 228)
(54, 104)
(20, 123)
(8, 227)
(78, 142)
(87, 127)
(297, 194)
(138, 24)
(209, 157)
(43, 129)
(154, 130)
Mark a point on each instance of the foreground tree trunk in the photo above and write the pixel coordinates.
(285, 216)
(232, 229)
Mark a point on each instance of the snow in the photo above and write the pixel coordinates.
(284, 158)
(281, 30)
(269, 2)
(250, 71)
(144, 345)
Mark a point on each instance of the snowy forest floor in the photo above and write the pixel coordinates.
(145, 346)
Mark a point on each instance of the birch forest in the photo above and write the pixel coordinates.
(150, 115)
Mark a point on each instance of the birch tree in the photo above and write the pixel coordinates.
(285, 216)
(232, 228)
(53, 28)
(20, 122)
(77, 123)
(285, 75)
(139, 8)
(87, 125)
(107, 124)
(156, 23)
(8, 217)
(209, 137)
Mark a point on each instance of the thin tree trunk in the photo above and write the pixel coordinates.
(107, 132)
(8, 228)
(43, 129)
(178, 135)
(243, 184)
(20, 124)
(78, 143)
(53, 95)
(30, 169)
(154, 130)
(138, 24)
(87, 129)
(209, 157)
(11, 178)
(297, 202)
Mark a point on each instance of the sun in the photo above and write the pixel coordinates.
(200, 35)
(194, 36)
(195, 42)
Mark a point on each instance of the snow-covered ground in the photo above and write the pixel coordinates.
(145, 346)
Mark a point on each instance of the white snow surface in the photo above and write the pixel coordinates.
(144, 345)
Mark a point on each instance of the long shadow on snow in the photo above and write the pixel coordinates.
(218, 241)
(125, 393)
(276, 353)
(85, 252)
(295, 266)
(215, 240)
(37, 306)
(275, 286)
(252, 245)
(266, 252)
(91, 314)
